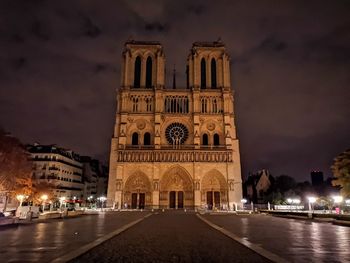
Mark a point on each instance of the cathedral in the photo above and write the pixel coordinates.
(174, 148)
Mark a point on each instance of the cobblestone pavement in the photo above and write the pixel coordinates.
(292, 239)
(172, 236)
(42, 242)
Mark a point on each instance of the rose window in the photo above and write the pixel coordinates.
(176, 133)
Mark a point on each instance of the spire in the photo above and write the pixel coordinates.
(174, 78)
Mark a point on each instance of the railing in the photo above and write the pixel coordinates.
(176, 147)
(174, 156)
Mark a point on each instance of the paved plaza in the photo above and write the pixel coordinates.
(175, 236)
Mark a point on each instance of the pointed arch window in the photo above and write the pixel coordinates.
(149, 73)
(135, 139)
(215, 105)
(213, 73)
(147, 138)
(216, 139)
(137, 72)
(205, 140)
(203, 74)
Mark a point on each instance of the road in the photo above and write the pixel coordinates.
(172, 236)
(176, 236)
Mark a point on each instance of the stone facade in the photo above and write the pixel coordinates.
(174, 148)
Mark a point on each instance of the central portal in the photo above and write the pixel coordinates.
(138, 200)
(176, 199)
(176, 189)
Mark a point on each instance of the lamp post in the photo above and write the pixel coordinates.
(90, 199)
(62, 200)
(102, 199)
(311, 201)
(20, 198)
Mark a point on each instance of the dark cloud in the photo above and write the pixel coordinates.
(19, 62)
(273, 44)
(90, 29)
(156, 26)
(40, 31)
(197, 9)
(60, 68)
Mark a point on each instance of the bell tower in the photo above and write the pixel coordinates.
(208, 66)
(143, 65)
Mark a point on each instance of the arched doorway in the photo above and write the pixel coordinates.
(137, 191)
(214, 190)
(176, 189)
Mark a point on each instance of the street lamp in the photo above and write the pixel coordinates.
(62, 199)
(311, 201)
(102, 200)
(20, 198)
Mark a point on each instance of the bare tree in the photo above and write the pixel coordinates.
(15, 167)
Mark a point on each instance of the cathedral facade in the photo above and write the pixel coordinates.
(174, 147)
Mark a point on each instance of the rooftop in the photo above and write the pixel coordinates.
(217, 43)
(136, 42)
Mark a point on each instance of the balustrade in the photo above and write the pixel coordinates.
(174, 156)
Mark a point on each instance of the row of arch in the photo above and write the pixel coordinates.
(137, 72)
(215, 139)
(149, 66)
(176, 183)
(176, 104)
(176, 177)
(135, 139)
(212, 73)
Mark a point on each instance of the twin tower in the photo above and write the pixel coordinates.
(173, 147)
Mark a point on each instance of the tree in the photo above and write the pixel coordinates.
(40, 189)
(15, 167)
(341, 172)
(284, 183)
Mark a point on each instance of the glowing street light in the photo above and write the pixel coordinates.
(311, 201)
(20, 198)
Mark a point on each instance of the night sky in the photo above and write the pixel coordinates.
(60, 67)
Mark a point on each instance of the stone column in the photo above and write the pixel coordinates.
(155, 199)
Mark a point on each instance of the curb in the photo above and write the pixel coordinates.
(254, 247)
(85, 248)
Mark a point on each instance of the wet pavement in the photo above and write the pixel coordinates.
(176, 236)
(172, 236)
(42, 242)
(292, 239)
